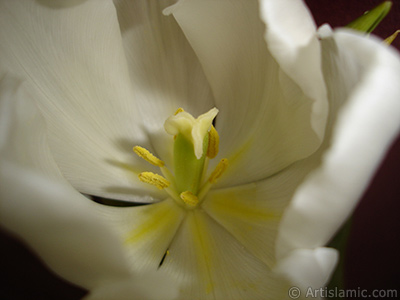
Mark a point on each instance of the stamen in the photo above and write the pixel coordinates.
(147, 156)
(219, 170)
(213, 143)
(189, 198)
(154, 179)
(179, 110)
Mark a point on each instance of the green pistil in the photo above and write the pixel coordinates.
(188, 169)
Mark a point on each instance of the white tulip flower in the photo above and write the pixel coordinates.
(281, 127)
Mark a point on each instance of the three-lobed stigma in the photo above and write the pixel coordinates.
(196, 141)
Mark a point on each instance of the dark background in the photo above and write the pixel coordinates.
(372, 258)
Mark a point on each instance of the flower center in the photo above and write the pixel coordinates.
(196, 141)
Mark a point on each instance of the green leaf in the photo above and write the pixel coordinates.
(389, 40)
(368, 22)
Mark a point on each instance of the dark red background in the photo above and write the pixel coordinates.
(372, 258)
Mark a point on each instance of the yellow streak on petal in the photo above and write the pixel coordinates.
(248, 217)
(240, 203)
(201, 240)
(238, 154)
(154, 221)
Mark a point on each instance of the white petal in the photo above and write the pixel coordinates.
(23, 136)
(146, 231)
(263, 113)
(210, 264)
(366, 74)
(165, 71)
(292, 40)
(41, 207)
(251, 214)
(58, 224)
(73, 60)
(56, 221)
(308, 268)
(139, 287)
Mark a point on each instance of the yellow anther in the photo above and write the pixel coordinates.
(147, 156)
(189, 198)
(213, 142)
(219, 170)
(179, 110)
(154, 179)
